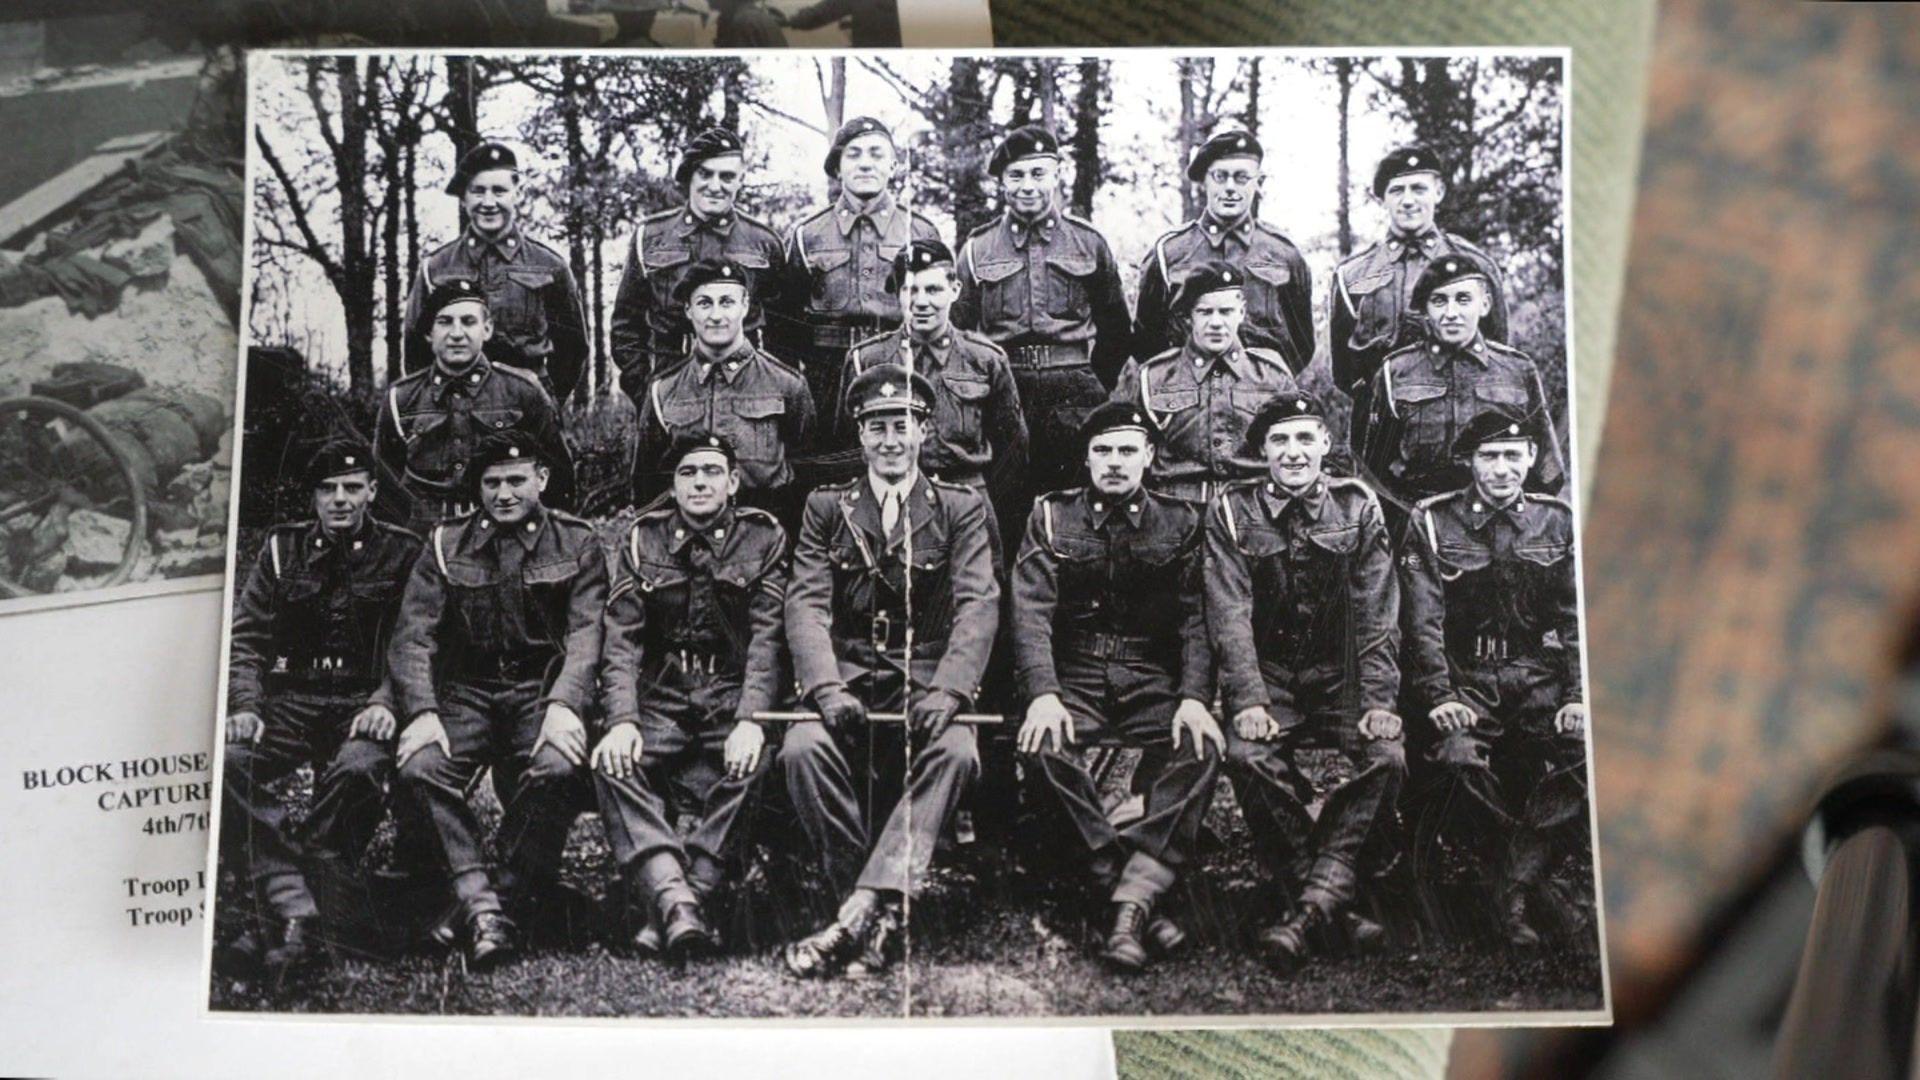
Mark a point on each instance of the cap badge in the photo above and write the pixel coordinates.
(513, 451)
(886, 390)
(348, 459)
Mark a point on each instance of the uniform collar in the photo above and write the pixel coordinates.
(1197, 364)
(527, 531)
(1043, 227)
(507, 245)
(318, 540)
(1426, 242)
(935, 348)
(1480, 509)
(1217, 231)
(720, 224)
(713, 533)
(847, 212)
(1312, 502)
(727, 365)
(1103, 506)
(1442, 353)
(472, 378)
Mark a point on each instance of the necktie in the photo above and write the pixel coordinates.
(890, 512)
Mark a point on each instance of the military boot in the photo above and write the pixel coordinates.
(686, 932)
(292, 948)
(1125, 951)
(1289, 942)
(1513, 921)
(1167, 936)
(877, 950)
(489, 940)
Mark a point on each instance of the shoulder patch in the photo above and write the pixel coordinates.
(1178, 230)
(1080, 221)
(778, 363)
(876, 339)
(523, 375)
(1549, 500)
(1273, 230)
(536, 242)
(754, 221)
(444, 248)
(986, 226)
(567, 519)
(1359, 258)
(1267, 356)
(977, 338)
(755, 514)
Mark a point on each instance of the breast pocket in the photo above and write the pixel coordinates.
(474, 597)
(1176, 411)
(1069, 285)
(960, 408)
(1376, 308)
(1000, 301)
(663, 590)
(682, 413)
(521, 307)
(1422, 408)
(1263, 294)
(832, 291)
(663, 270)
(1502, 396)
(754, 427)
(550, 588)
(498, 419)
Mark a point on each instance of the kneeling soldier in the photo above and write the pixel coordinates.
(1302, 607)
(305, 686)
(693, 647)
(1494, 649)
(1110, 638)
(492, 665)
(893, 605)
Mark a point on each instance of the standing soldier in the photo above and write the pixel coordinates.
(540, 324)
(1110, 639)
(1371, 308)
(493, 666)
(838, 258)
(1203, 392)
(649, 334)
(693, 647)
(432, 419)
(1424, 394)
(978, 436)
(1494, 654)
(305, 685)
(1044, 286)
(893, 606)
(727, 387)
(1279, 287)
(1302, 608)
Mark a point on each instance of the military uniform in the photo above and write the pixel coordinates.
(1108, 614)
(875, 23)
(1494, 624)
(858, 622)
(747, 395)
(497, 622)
(648, 333)
(310, 631)
(1302, 608)
(979, 437)
(1203, 404)
(693, 643)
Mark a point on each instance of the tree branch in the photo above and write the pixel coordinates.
(317, 95)
(314, 249)
(787, 116)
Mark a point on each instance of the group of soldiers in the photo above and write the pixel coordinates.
(890, 491)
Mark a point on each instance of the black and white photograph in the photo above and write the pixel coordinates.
(1074, 536)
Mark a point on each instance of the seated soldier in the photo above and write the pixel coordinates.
(306, 686)
(893, 606)
(693, 646)
(1494, 652)
(493, 665)
(1110, 638)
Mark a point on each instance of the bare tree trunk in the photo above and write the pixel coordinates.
(598, 317)
(408, 188)
(356, 256)
(835, 98)
(1251, 117)
(390, 263)
(963, 142)
(1343, 70)
(1196, 76)
(570, 92)
(1085, 146)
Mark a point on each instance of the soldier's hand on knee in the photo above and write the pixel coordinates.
(839, 708)
(376, 721)
(1571, 719)
(1452, 716)
(1047, 718)
(933, 712)
(425, 730)
(1196, 720)
(565, 732)
(742, 751)
(244, 727)
(1379, 724)
(1255, 724)
(619, 751)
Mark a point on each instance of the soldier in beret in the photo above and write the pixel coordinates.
(540, 323)
(839, 256)
(1203, 393)
(649, 334)
(431, 420)
(1302, 608)
(493, 664)
(893, 606)
(1424, 394)
(1043, 285)
(1110, 640)
(693, 647)
(1371, 307)
(729, 387)
(1493, 652)
(1278, 286)
(977, 436)
(306, 685)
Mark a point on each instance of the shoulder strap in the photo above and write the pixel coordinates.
(800, 244)
(1433, 533)
(968, 246)
(639, 245)
(1386, 383)
(439, 548)
(654, 393)
(1226, 513)
(633, 544)
(1146, 394)
(273, 546)
(1046, 518)
(1160, 253)
(393, 406)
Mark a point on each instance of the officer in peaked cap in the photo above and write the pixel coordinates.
(1279, 285)
(649, 334)
(1371, 307)
(539, 320)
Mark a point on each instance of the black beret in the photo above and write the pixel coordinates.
(1210, 276)
(706, 272)
(1118, 416)
(1022, 142)
(452, 291)
(1288, 405)
(889, 388)
(337, 457)
(501, 446)
(1446, 270)
(1225, 144)
(488, 155)
(1493, 425)
(711, 143)
(915, 257)
(1407, 159)
(693, 442)
(849, 131)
